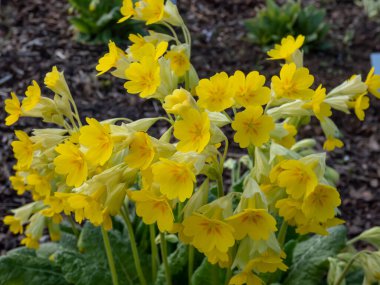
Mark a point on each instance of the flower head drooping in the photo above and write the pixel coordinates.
(56, 82)
(15, 225)
(217, 93)
(373, 83)
(293, 83)
(179, 60)
(176, 180)
(13, 108)
(320, 108)
(193, 131)
(23, 150)
(179, 101)
(126, 10)
(288, 46)
(258, 224)
(289, 140)
(110, 59)
(97, 138)
(144, 77)
(360, 104)
(252, 127)
(150, 11)
(141, 151)
(71, 162)
(33, 96)
(331, 143)
(250, 90)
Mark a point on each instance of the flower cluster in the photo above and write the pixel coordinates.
(101, 169)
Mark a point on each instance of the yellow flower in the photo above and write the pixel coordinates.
(13, 108)
(318, 227)
(252, 127)
(23, 150)
(110, 59)
(215, 256)
(293, 83)
(288, 46)
(30, 242)
(257, 223)
(71, 162)
(361, 103)
(320, 108)
(153, 208)
(56, 82)
(97, 138)
(246, 277)
(217, 93)
(40, 185)
(126, 10)
(250, 90)
(331, 143)
(208, 234)
(297, 177)
(193, 131)
(144, 77)
(320, 204)
(178, 101)
(289, 140)
(33, 96)
(269, 261)
(176, 180)
(141, 151)
(18, 184)
(14, 224)
(373, 83)
(179, 60)
(150, 11)
(149, 50)
(291, 210)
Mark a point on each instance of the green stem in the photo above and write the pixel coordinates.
(282, 233)
(220, 185)
(153, 246)
(347, 268)
(173, 32)
(164, 254)
(73, 226)
(228, 275)
(190, 268)
(111, 262)
(135, 252)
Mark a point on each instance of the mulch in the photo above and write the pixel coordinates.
(35, 35)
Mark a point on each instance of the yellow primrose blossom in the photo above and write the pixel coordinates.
(15, 225)
(144, 77)
(126, 10)
(319, 228)
(215, 256)
(373, 83)
(331, 143)
(149, 50)
(289, 140)
(13, 108)
(18, 184)
(361, 103)
(176, 180)
(179, 60)
(138, 41)
(30, 242)
(252, 127)
(97, 138)
(23, 150)
(317, 104)
(293, 83)
(141, 151)
(269, 261)
(153, 208)
(56, 82)
(291, 210)
(208, 234)
(33, 96)
(71, 162)
(150, 11)
(40, 185)
(320, 204)
(110, 59)
(297, 177)
(258, 224)
(250, 89)
(287, 47)
(246, 277)
(178, 101)
(217, 93)
(193, 131)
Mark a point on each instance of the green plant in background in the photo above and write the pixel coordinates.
(275, 22)
(371, 7)
(95, 21)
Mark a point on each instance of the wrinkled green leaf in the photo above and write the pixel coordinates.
(208, 274)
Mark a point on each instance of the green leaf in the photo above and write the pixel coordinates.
(177, 262)
(21, 267)
(208, 274)
(310, 262)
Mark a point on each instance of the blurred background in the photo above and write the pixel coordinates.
(227, 35)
